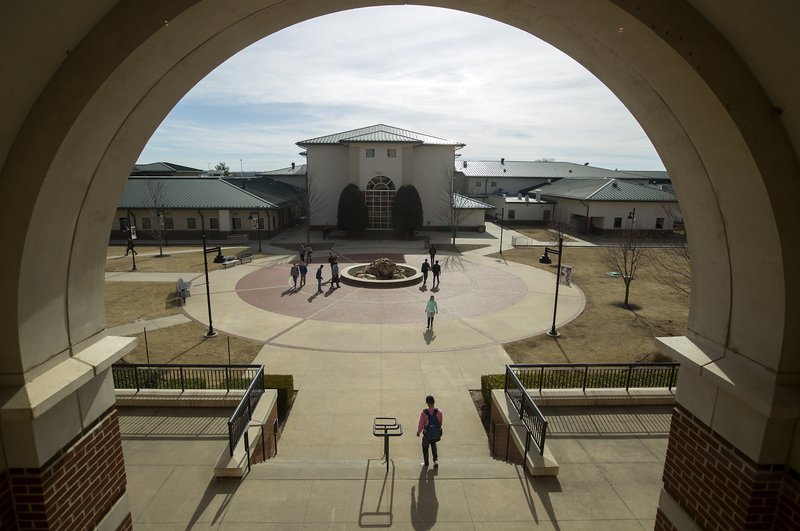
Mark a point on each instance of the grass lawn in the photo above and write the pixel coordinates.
(127, 302)
(175, 259)
(606, 331)
(185, 344)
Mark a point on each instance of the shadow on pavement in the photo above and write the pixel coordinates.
(424, 504)
(378, 517)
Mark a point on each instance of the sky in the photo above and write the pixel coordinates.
(499, 90)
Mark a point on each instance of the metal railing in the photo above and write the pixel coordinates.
(178, 376)
(214, 377)
(597, 375)
(520, 379)
(237, 424)
(534, 421)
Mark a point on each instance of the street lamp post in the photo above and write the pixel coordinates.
(257, 219)
(545, 259)
(132, 235)
(502, 223)
(206, 250)
(632, 216)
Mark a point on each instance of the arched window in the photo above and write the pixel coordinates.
(379, 197)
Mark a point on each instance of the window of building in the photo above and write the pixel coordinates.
(512, 214)
(147, 223)
(261, 223)
(191, 223)
(236, 223)
(478, 184)
(379, 197)
(169, 223)
(617, 223)
(213, 223)
(391, 153)
(546, 215)
(493, 184)
(659, 223)
(370, 152)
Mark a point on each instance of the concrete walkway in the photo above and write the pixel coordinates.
(328, 473)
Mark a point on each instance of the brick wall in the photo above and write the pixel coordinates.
(663, 523)
(721, 488)
(8, 520)
(127, 524)
(78, 486)
(504, 447)
(269, 438)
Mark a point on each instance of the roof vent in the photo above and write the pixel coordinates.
(570, 171)
(465, 163)
(503, 161)
(614, 184)
(292, 165)
(504, 170)
(585, 163)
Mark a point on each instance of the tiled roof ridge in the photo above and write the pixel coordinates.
(604, 185)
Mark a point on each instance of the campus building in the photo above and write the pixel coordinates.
(709, 82)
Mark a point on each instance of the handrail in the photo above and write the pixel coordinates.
(597, 375)
(237, 424)
(199, 376)
(182, 376)
(520, 378)
(532, 418)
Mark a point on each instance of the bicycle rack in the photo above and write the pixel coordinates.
(386, 427)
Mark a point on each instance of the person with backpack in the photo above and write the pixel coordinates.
(431, 309)
(294, 272)
(430, 426)
(303, 272)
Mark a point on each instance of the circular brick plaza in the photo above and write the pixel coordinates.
(467, 290)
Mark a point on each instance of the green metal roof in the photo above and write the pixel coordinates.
(379, 133)
(605, 190)
(464, 202)
(199, 193)
(268, 189)
(297, 169)
(163, 168)
(537, 170)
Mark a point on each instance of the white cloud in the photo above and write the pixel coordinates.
(446, 73)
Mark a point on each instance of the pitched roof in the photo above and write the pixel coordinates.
(199, 193)
(276, 192)
(464, 202)
(656, 175)
(298, 169)
(163, 168)
(379, 133)
(605, 190)
(532, 169)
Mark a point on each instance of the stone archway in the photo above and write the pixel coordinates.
(93, 81)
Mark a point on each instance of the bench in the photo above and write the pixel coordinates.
(245, 257)
(238, 237)
(182, 289)
(230, 261)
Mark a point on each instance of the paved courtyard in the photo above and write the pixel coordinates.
(358, 353)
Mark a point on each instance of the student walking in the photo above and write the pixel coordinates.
(303, 272)
(309, 250)
(294, 272)
(425, 268)
(436, 269)
(335, 273)
(302, 253)
(432, 252)
(430, 426)
(431, 309)
(130, 248)
(319, 278)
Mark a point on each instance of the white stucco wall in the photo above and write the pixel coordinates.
(646, 213)
(328, 175)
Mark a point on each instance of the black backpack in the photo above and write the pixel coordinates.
(433, 432)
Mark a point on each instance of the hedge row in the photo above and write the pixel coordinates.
(284, 383)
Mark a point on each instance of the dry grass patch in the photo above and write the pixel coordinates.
(185, 344)
(606, 331)
(128, 302)
(172, 261)
(541, 234)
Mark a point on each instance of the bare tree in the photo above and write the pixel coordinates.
(560, 224)
(627, 256)
(674, 268)
(307, 200)
(449, 211)
(155, 192)
(545, 159)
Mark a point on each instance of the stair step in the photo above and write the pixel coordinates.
(375, 468)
